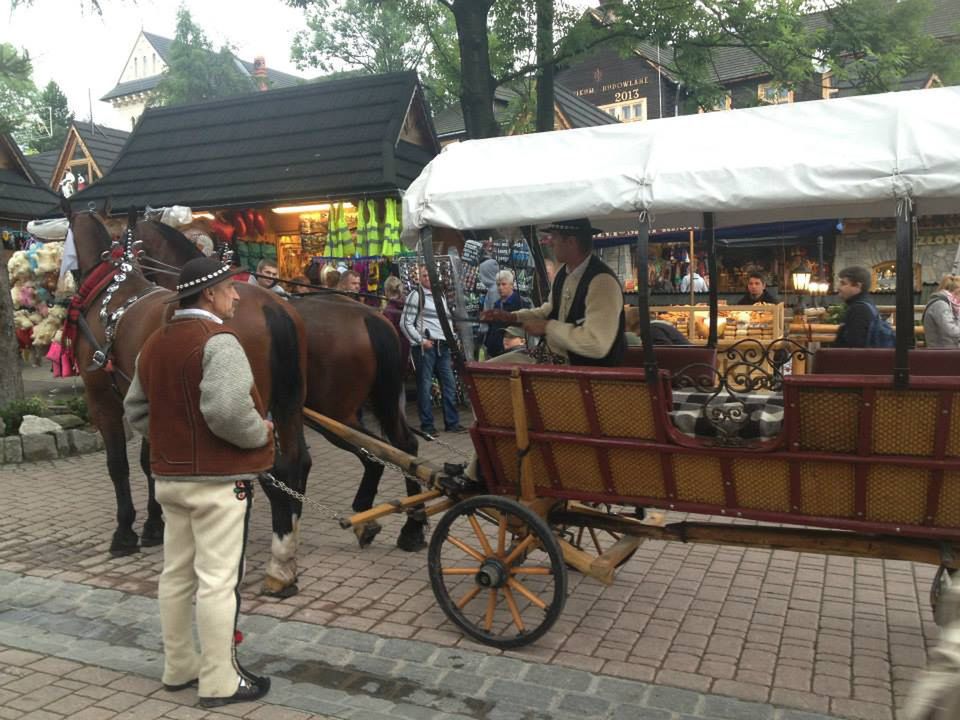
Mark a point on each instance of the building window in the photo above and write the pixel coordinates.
(630, 111)
(774, 94)
(154, 63)
(136, 68)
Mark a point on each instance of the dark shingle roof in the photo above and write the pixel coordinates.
(103, 143)
(162, 45)
(579, 112)
(43, 164)
(295, 144)
(22, 194)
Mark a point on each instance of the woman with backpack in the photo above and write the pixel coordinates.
(941, 316)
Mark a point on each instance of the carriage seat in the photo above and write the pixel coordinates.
(674, 358)
(879, 361)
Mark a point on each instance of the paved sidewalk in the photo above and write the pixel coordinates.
(92, 654)
(829, 636)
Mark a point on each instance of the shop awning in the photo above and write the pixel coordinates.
(851, 157)
(744, 236)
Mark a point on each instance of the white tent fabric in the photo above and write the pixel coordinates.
(849, 157)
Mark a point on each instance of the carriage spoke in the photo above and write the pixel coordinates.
(501, 536)
(466, 548)
(536, 570)
(596, 541)
(460, 571)
(520, 588)
(514, 610)
(491, 608)
(468, 597)
(524, 545)
(481, 536)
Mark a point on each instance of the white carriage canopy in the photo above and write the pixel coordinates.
(829, 158)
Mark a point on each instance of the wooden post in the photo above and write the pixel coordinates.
(523, 436)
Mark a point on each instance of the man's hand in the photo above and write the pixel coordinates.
(535, 326)
(426, 344)
(502, 316)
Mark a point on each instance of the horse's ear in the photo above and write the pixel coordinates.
(107, 207)
(65, 207)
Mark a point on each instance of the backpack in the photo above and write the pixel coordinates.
(880, 333)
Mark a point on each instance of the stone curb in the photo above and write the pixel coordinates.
(347, 673)
(16, 449)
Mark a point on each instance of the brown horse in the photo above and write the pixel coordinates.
(273, 338)
(353, 353)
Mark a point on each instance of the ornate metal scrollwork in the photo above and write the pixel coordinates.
(746, 368)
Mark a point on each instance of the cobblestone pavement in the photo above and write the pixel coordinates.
(684, 631)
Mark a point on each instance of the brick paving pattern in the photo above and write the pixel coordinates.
(800, 632)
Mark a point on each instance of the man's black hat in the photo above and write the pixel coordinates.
(201, 273)
(577, 226)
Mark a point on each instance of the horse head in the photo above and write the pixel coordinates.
(167, 250)
(91, 238)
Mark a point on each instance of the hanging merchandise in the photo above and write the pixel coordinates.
(373, 230)
(391, 229)
(363, 243)
(341, 230)
(349, 244)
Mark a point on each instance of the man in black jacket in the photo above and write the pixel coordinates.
(757, 292)
(854, 290)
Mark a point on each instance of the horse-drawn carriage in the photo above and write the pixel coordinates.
(866, 461)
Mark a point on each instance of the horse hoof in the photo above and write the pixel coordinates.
(152, 534)
(123, 550)
(411, 542)
(124, 543)
(367, 532)
(276, 589)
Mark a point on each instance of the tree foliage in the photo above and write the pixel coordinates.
(18, 95)
(195, 72)
(867, 45)
(58, 117)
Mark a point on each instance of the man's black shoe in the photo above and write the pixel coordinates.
(429, 433)
(456, 429)
(180, 686)
(248, 691)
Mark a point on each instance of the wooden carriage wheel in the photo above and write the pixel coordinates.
(497, 571)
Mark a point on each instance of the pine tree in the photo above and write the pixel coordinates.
(53, 108)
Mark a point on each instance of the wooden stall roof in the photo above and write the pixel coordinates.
(22, 194)
(368, 134)
(43, 165)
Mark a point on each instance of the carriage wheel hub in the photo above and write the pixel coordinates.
(492, 574)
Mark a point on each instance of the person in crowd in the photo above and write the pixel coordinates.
(514, 340)
(661, 332)
(194, 397)
(583, 319)
(267, 277)
(941, 316)
(487, 276)
(757, 292)
(699, 283)
(431, 353)
(299, 286)
(507, 299)
(854, 290)
(393, 310)
(349, 282)
(330, 277)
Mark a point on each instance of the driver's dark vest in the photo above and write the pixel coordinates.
(578, 309)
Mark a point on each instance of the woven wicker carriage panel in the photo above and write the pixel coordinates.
(560, 404)
(948, 510)
(896, 494)
(829, 420)
(827, 489)
(637, 473)
(904, 422)
(541, 475)
(494, 395)
(623, 409)
(762, 484)
(699, 479)
(578, 467)
(507, 453)
(953, 441)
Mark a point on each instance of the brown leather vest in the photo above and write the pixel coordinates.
(170, 369)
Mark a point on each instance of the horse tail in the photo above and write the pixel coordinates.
(286, 381)
(388, 383)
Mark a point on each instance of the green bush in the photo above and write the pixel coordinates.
(78, 406)
(13, 412)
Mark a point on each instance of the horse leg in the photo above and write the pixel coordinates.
(125, 540)
(291, 468)
(153, 528)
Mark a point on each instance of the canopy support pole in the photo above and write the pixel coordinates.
(643, 298)
(711, 238)
(438, 290)
(541, 283)
(904, 314)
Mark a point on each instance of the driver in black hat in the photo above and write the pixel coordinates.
(583, 320)
(194, 397)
